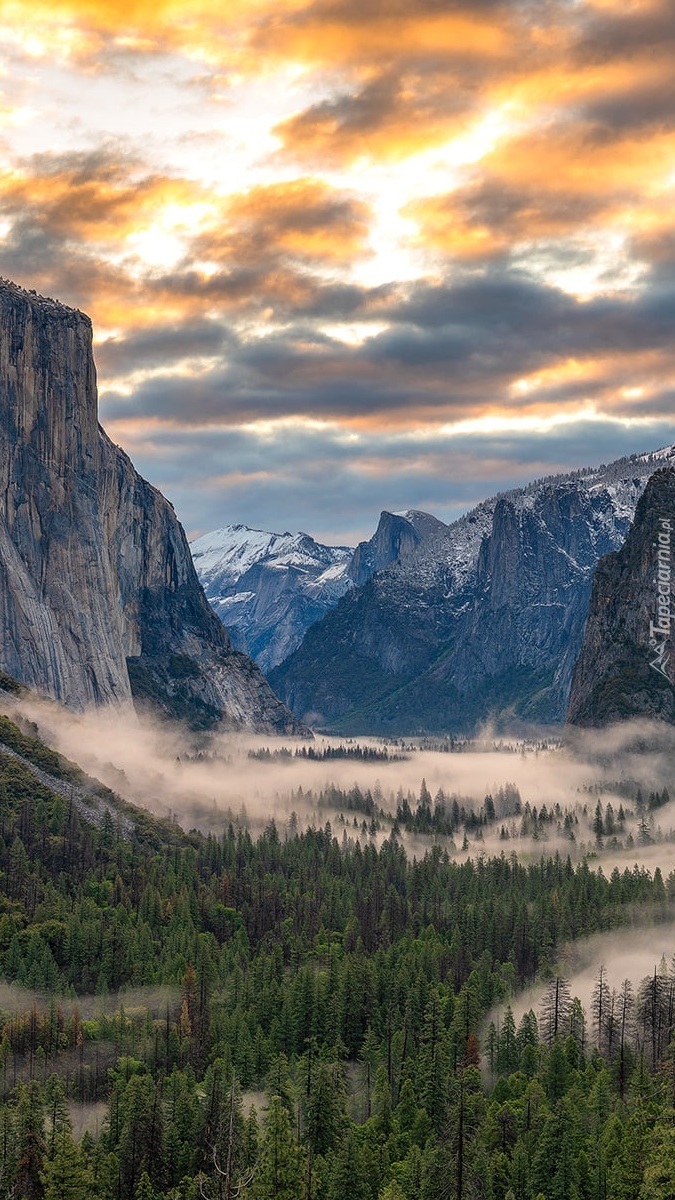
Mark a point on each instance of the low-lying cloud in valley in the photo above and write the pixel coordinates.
(208, 782)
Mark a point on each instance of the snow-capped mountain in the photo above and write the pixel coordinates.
(481, 618)
(268, 588)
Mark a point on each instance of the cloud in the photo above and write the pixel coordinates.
(304, 219)
(390, 116)
(368, 219)
(335, 483)
(159, 345)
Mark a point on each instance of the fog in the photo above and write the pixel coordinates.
(207, 780)
(631, 953)
(15, 1000)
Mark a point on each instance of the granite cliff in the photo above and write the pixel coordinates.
(99, 600)
(626, 667)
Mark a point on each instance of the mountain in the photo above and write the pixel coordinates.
(99, 600)
(268, 588)
(396, 537)
(626, 667)
(484, 618)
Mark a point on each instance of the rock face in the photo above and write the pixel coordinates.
(396, 537)
(483, 618)
(99, 601)
(268, 588)
(626, 667)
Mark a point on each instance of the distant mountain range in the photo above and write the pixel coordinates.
(268, 588)
(430, 627)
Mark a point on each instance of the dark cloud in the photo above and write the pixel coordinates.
(624, 33)
(649, 107)
(163, 344)
(315, 480)
(502, 214)
(446, 353)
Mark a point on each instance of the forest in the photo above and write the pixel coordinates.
(309, 1015)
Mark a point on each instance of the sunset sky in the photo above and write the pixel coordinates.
(345, 255)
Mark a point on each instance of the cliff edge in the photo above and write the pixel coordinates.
(626, 667)
(99, 599)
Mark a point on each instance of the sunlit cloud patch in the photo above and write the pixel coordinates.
(343, 240)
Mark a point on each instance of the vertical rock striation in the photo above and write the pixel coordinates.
(626, 667)
(99, 600)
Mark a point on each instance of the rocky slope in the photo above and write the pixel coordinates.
(268, 588)
(99, 600)
(396, 537)
(626, 667)
(483, 619)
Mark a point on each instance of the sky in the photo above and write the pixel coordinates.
(346, 255)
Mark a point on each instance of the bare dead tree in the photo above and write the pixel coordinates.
(229, 1183)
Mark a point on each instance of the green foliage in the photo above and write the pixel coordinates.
(352, 985)
(66, 1175)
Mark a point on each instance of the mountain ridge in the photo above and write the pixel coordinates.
(482, 620)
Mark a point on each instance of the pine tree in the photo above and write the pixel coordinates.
(392, 1192)
(56, 1107)
(280, 1174)
(144, 1189)
(66, 1176)
(658, 1181)
(348, 1178)
(31, 1146)
(555, 1009)
(325, 1114)
(507, 1054)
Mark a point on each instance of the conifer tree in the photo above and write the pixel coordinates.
(30, 1143)
(66, 1176)
(279, 1174)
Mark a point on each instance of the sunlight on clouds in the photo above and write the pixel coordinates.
(353, 333)
(603, 265)
(395, 190)
(572, 370)
(188, 368)
(16, 117)
(166, 240)
(279, 426)
(536, 424)
(38, 40)
(309, 175)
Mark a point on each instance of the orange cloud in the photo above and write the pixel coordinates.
(305, 218)
(254, 33)
(92, 198)
(336, 33)
(554, 184)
